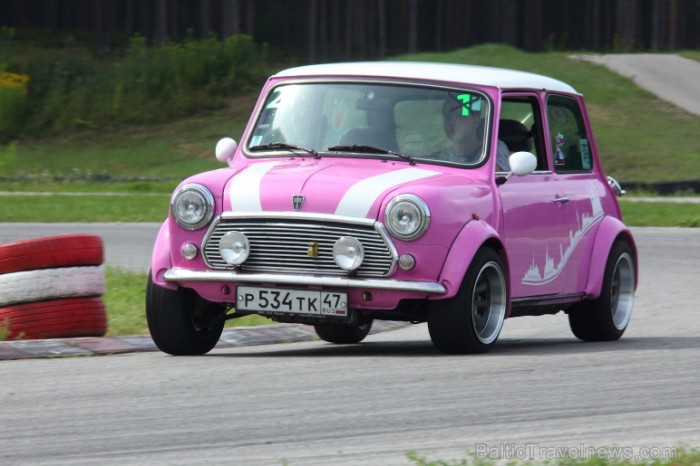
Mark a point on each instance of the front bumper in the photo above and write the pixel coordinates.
(182, 275)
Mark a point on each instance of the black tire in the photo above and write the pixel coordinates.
(606, 318)
(471, 321)
(181, 323)
(342, 333)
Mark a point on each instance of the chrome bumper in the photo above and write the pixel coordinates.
(182, 275)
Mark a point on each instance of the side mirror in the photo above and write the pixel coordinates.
(225, 149)
(522, 163)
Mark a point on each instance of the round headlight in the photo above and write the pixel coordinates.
(192, 206)
(407, 217)
(234, 248)
(348, 253)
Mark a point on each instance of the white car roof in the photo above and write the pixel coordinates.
(443, 72)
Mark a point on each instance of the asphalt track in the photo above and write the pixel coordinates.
(671, 77)
(311, 403)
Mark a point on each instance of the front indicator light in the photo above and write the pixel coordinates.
(189, 251)
(407, 262)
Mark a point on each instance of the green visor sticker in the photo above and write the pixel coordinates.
(470, 103)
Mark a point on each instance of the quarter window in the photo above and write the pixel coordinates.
(567, 133)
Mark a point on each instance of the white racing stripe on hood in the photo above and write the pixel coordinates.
(359, 198)
(245, 188)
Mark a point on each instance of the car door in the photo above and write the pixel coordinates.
(535, 208)
(582, 191)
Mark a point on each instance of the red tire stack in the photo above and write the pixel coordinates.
(52, 287)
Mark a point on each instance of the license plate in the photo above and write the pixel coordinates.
(324, 303)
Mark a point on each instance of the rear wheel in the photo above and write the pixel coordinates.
(471, 321)
(606, 318)
(181, 322)
(342, 333)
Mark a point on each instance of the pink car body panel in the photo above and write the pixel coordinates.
(553, 230)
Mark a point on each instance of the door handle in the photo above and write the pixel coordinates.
(562, 199)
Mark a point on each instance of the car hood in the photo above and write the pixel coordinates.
(354, 188)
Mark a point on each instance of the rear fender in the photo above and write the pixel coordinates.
(609, 231)
(473, 236)
(160, 259)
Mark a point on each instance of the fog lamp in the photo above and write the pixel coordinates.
(348, 253)
(234, 248)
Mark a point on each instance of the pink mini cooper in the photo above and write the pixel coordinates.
(448, 194)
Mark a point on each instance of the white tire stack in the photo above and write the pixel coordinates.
(52, 287)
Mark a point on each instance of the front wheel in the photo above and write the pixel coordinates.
(343, 333)
(182, 323)
(606, 318)
(471, 321)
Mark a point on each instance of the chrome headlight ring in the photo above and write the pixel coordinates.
(407, 217)
(192, 206)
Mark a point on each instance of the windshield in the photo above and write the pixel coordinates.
(423, 123)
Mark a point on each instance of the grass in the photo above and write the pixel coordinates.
(153, 207)
(166, 151)
(637, 134)
(608, 456)
(59, 207)
(660, 214)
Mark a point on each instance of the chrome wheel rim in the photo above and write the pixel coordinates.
(622, 291)
(488, 306)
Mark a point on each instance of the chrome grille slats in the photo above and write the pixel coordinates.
(281, 245)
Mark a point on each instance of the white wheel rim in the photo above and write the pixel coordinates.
(622, 291)
(488, 306)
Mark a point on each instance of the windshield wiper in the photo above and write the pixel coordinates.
(285, 146)
(372, 150)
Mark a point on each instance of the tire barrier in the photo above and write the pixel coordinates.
(59, 318)
(54, 251)
(52, 287)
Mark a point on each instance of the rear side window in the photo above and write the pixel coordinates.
(567, 133)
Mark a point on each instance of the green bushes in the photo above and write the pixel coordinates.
(69, 89)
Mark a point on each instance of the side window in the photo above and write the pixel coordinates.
(520, 127)
(567, 134)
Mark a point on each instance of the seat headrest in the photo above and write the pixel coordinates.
(516, 135)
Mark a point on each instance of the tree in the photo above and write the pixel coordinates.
(230, 18)
(413, 26)
(312, 18)
(626, 25)
(204, 18)
(160, 29)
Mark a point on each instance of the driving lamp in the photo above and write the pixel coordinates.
(234, 248)
(348, 253)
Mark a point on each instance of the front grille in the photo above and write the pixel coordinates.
(281, 245)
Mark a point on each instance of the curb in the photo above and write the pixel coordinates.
(101, 346)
